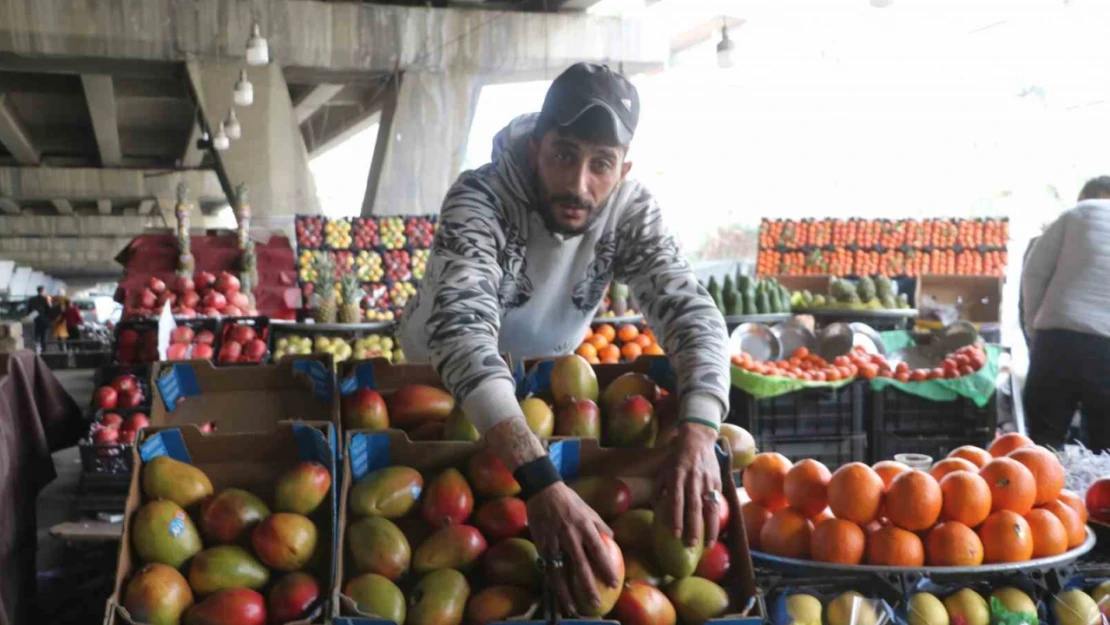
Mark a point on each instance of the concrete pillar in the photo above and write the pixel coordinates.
(427, 141)
(270, 158)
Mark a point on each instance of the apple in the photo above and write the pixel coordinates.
(156, 285)
(714, 563)
(131, 399)
(106, 398)
(127, 437)
(214, 299)
(106, 436)
(177, 351)
(254, 350)
(125, 382)
(111, 420)
(230, 352)
(203, 351)
(136, 421)
(205, 337)
(227, 283)
(128, 338)
(190, 299)
(1097, 500)
(242, 333)
(147, 299)
(204, 280)
(182, 334)
(183, 285)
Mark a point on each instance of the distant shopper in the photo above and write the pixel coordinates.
(1065, 288)
(73, 320)
(39, 306)
(59, 331)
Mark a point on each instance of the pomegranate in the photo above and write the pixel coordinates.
(1098, 500)
(106, 398)
(205, 337)
(182, 334)
(106, 436)
(125, 382)
(156, 285)
(242, 333)
(183, 285)
(227, 283)
(204, 280)
(111, 420)
(214, 299)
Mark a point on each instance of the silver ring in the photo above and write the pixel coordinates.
(712, 497)
(555, 560)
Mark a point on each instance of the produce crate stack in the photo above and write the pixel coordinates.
(343, 342)
(893, 248)
(389, 255)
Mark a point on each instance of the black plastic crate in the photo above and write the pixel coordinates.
(896, 411)
(832, 451)
(813, 412)
(884, 446)
(114, 459)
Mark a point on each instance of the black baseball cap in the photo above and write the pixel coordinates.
(584, 86)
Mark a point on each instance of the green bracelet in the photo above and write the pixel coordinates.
(706, 423)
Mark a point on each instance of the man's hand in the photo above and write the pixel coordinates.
(566, 529)
(691, 486)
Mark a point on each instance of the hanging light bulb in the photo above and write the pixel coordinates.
(724, 49)
(258, 51)
(232, 126)
(220, 141)
(879, 4)
(244, 90)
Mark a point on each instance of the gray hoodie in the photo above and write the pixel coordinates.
(498, 281)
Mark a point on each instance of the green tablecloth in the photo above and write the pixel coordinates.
(979, 387)
(763, 386)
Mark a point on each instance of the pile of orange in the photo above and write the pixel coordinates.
(608, 345)
(1002, 504)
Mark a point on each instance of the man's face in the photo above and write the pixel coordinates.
(575, 177)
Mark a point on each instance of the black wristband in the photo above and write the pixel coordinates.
(536, 475)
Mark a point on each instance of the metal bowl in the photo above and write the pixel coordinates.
(866, 336)
(756, 340)
(836, 339)
(791, 336)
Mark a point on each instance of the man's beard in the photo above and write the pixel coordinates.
(568, 200)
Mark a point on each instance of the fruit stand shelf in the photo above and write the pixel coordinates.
(369, 326)
(850, 313)
(633, 319)
(735, 320)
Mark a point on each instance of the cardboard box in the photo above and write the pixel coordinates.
(251, 461)
(535, 377)
(639, 468)
(11, 329)
(245, 399)
(368, 452)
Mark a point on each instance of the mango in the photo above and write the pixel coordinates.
(439, 599)
(379, 546)
(504, 517)
(284, 541)
(157, 595)
(302, 489)
(1073, 607)
(697, 600)
(671, 553)
(490, 477)
(230, 515)
(179, 482)
(365, 410)
(448, 500)
(609, 596)
(162, 532)
(539, 416)
(572, 376)
(577, 418)
(632, 530)
(226, 566)
(803, 609)
(640, 568)
(390, 492)
(1015, 600)
(626, 385)
(451, 547)
(234, 606)
(414, 405)
(514, 562)
(972, 608)
(715, 563)
(852, 608)
(430, 431)
(632, 423)
(643, 604)
(377, 596)
(926, 609)
(498, 603)
(459, 428)
(292, 597)
(607, 495)
(741, 444)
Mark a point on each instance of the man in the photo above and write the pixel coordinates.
(40, 306)
(525, 247)
(1065, 288)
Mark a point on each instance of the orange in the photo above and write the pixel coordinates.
(1050, 538)
(631, 351)
(643, 341)
(648, 333)
(975, 455)
(894, 546)
(1006, 537)
(1077, 531)
(589, 333)
(653, 350)
(628, 333)
(1012, 485)
(786, 534)
(607, 331)
(888, 470)
(1076, 503)
(754, 515)
(837, 541)
(948, 465)
(1046, 470)
(586, 351)
(822, 515)
(593, 360)
(805, 487)
(855, 493)
(967, 498)
(953, 544)
(1003, 445)
(913, 501)
(598, 341)
(763, 479)
(610, 354)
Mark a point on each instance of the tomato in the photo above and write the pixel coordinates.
(796, 371)
(936, 374)
(833, 374)
(795, 361)
(841, 361)
(758, 368)
(978, 359)
(962, 360)
(901, 368)
(950, 363)
(878, 359)
(808, 377)
(902, 376)
(850, 371)
(800, 353)
(869, 371)
(919, 375)
(819, 376)
(966, 370)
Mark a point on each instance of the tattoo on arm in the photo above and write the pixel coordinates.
(513, 442)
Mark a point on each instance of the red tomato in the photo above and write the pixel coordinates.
(966, 370)
(936, 374)
(795, 361)
(800, 353)
(902, 376)
(878, 359)
(919, 375)
(818, 376)
(849, 372)
(962, 360)
(869, 371)
(978, 359)
(833, 374)
(901, 368)
(841, 361)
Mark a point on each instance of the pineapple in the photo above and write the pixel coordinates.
(325, 290)
(350, 296)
